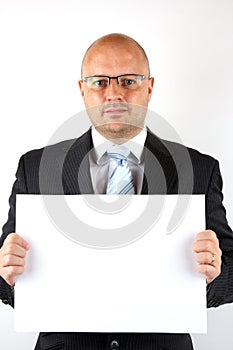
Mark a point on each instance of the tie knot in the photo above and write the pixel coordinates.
(118, 152)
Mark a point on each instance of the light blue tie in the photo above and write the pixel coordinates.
(121, 179)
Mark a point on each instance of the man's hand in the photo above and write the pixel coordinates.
(208, 255)
(12, 257)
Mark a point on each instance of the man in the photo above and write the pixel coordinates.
(116, 88)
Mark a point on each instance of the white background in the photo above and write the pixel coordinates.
(190, 48)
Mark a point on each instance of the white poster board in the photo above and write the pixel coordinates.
(150, 285)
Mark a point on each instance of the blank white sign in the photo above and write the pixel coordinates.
(150, 285)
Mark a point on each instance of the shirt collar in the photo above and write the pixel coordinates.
(101, 144)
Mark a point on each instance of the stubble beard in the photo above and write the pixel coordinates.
(118, 132)
(121, 127)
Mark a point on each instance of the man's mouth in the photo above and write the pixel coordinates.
(115, 112)
(115, 109)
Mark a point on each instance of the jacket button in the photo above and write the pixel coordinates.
(114, 345)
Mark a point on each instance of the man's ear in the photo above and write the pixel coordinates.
(80, 84)
(150, 87)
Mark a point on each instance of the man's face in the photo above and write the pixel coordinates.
(115, 111)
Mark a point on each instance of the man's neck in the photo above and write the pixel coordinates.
(120, 137)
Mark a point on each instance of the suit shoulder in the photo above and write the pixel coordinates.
(36, 154)
(199, 157)
(203, 165)
(33, 157)
(196, 156)
(171, 148)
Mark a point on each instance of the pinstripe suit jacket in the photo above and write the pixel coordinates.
(170, 168)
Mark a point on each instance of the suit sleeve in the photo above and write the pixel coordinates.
(6, 291)
(220, 291)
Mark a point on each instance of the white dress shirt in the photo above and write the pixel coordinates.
(99, 160)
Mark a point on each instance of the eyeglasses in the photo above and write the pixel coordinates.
(127, 81)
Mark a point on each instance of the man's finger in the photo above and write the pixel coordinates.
(206, 246)
(13, 249)
(207, 234)
(9, 273)
(207, 258)
(12, 260)
(14, 238)
(209, 271)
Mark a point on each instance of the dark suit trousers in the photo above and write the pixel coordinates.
(114, 341)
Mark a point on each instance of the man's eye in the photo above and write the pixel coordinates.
(128, 82)
(100, 83)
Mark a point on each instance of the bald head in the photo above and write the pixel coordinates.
(114, 41)
(117, 110)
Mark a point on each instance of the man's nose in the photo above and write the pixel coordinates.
(114, 91)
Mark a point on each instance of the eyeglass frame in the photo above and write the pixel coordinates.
(116, 77)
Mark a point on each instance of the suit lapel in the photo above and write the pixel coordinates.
(75, 166)
(160, 173)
